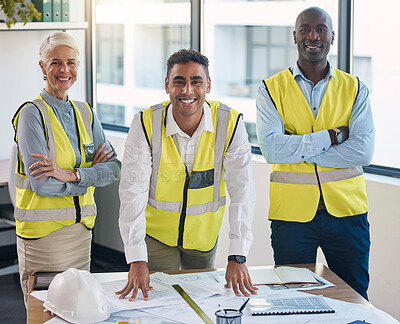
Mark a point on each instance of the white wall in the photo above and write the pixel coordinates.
(384, 218)
(20, 78)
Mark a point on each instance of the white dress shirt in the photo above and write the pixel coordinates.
(136, 172)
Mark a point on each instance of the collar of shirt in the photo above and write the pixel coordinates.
(313, 93)
(55, 103)
(298, 73)
(206, 123)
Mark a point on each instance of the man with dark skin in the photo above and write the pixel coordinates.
(314, 124)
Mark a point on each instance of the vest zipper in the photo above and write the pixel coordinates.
(77, 209)
(183, 213)
(319, 185)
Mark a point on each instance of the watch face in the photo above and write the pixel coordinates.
(237, 258)
(240, 259)
(339, 138)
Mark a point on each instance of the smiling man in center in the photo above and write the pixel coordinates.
(180, 157)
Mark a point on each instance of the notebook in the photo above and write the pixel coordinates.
(287, 306)
(281, 276)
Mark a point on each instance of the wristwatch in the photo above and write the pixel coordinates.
(237, 258)
(78, 176)
(339, 136)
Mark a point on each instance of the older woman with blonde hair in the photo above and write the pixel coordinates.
(62, 155)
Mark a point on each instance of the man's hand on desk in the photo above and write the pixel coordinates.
(138, 278)
(238, 278)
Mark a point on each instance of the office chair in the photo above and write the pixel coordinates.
(7, 222)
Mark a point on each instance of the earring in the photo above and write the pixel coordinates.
(44, 77)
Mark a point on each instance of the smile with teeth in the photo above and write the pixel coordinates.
(187, 101)
(313, 47)
(63, 79)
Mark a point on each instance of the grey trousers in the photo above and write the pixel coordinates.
(163, 257)
(68, 247)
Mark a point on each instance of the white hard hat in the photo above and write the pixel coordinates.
(77, 297)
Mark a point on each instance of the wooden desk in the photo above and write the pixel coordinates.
(341, 291)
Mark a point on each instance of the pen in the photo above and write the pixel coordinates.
(220, 307)
(244, 305)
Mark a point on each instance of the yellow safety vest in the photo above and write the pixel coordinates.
(187, 209)
(37, 216)
(295, 188)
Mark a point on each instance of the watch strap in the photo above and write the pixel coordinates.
(78, 176)
(237, 258)
(337, 132)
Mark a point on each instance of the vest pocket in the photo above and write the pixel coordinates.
(202, 179)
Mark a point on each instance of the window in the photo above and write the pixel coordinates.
(379, 68)
(256, 51)
(110, 54)
(132, 50)
(149, 63)
(111, 114)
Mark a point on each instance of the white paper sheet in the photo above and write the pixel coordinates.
(162, 294)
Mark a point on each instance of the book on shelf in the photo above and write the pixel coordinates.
(56, 10)
(47, 13)
(282, 276)
(289, 306)
(65, 10)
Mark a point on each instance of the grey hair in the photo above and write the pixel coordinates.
(54, 40)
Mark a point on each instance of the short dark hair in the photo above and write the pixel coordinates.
(184, 56)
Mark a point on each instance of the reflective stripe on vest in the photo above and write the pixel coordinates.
(186, 210)
(295, 188)
(25, 215)
(37, 216)
(311, 178)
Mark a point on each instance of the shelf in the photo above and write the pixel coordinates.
(46, 26)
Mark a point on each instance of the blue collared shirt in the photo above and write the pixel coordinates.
(315, 147)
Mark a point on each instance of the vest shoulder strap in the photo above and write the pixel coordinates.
(86, 111)
(40, 107)
(276, 79)
(156, 110)
(87, 115)
(225, 110)
(144, 129)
